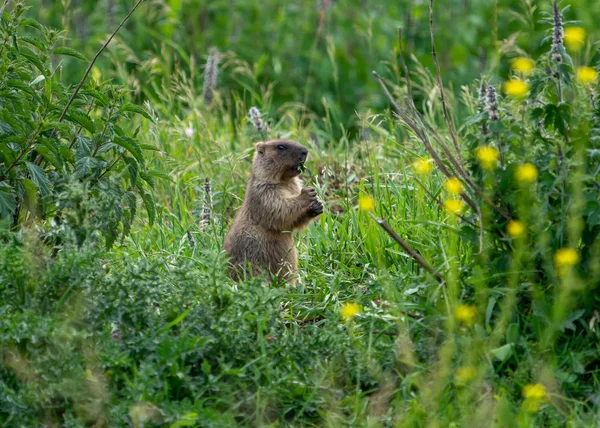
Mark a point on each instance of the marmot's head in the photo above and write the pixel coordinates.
(278, 160)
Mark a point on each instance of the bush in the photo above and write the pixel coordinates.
(47, 147)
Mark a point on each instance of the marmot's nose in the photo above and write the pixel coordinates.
(304, 152)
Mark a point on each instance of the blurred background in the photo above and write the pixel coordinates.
(317, 53)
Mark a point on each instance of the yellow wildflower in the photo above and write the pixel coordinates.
(366, 203)
(535, 396)
(516, 88)
(453, 186)
(574, 38)
(565, 258)
(96, 74)
(423, 166)
(464, 374)
(537, 391)
(487, 156)
(454, 206)
(587, 75)
(466, 314)
(526, 173)
(350, 310)
(515, 229)
(523, 64)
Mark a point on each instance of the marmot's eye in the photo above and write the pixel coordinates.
(281, 147)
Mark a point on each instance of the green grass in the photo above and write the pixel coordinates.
(153, 333)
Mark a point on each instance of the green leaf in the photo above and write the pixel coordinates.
(82, 119)
(33, 58)
(31, 199)
(38, 80)
(84, 165)
(84, 147)
(175, 321)
(38, 175)
(136, 109)
(62, 50)
(31, 23)
(8, 204)
(132, 146)
(188, 420)
(160, 174)
(133, 168)
(148, 203)
(503, 352)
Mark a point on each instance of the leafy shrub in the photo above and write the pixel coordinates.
(46, 148)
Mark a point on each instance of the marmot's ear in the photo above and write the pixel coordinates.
(260, 148)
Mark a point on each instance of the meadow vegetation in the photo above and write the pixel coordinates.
(452, 280)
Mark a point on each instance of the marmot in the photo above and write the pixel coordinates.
(260, 238)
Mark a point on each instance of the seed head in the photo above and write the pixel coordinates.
(256, 118)
(558, 34)
(492, 103)
(206, 206)
(211, 73)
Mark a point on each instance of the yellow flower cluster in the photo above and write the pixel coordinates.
(366, 203)
(350, 310)
(466, 314)
(487, 156)
(587, 75)
(515, 229)
(453, 186)
(516, 88)
(526, 173)
(454, 206)
(423, 166)
(574, 38)
(564, 259)
(523, 65)
(535, 395)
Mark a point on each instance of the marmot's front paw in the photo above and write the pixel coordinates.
(316, 208)
(310, 194)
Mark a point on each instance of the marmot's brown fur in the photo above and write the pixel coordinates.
(260, 238)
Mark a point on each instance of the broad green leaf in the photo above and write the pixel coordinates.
(133, 168)
(503, 352)
(84, 147)
(136, 109)
(132, 146)
(62, 50)
(8, 204)
(38, 175)
(31, 23)
(33, 58)
(82, 119)
(148, 203)
(84, 165)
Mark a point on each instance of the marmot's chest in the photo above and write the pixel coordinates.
(290, 189)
